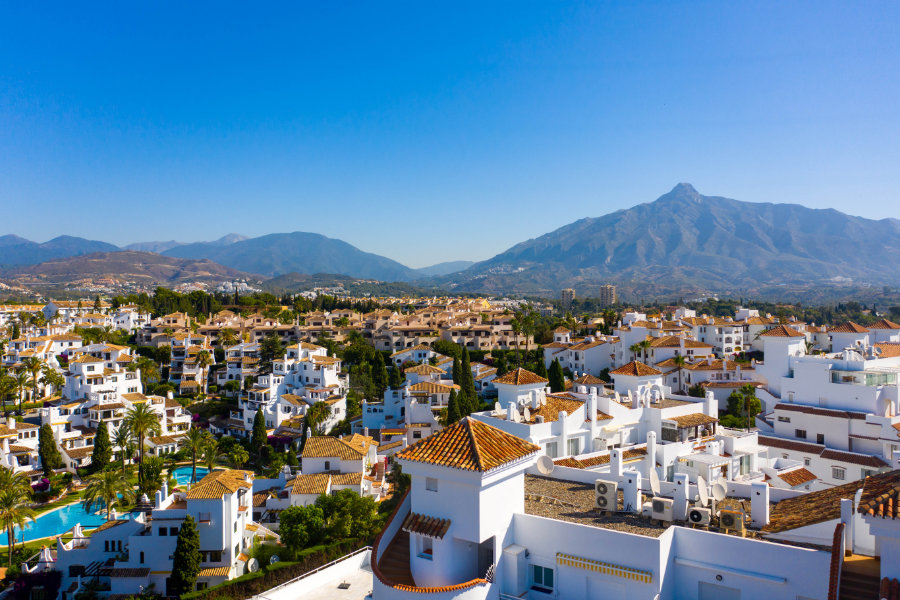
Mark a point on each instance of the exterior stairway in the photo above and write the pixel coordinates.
(859, 581)
(394, 562)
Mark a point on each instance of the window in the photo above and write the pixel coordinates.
(142, 558)
(417, 434)
(800, 433)
(551, 449)
(327, 465)
(541, 578)
(431, 484)
(173, 531)
(820, 438)
(425, 547)
(807, 461)
(784, 419)
(573, 447)
(163, 532)
(838, 473)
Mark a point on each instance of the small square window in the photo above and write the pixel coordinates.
(163, 532)
(839, 473)
(431, 484)
(541, 578)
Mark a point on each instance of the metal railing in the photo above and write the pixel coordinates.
(314, 571)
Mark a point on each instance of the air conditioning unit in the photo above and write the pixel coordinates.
(698, 516)
(731, 520)
(607, 495)
(662, 509)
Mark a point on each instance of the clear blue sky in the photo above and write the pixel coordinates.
(430, 132)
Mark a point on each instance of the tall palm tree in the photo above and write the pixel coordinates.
(148, 368)
(204, 360)
(122, 439)
(195, 440)
(228, 337)
(33, 365)
(210, 453)
(107, 488)
(7, 387)
(52, 379)
(21, 378)
(143, 422)
(516, 325)
(14, 512)
(679, 364)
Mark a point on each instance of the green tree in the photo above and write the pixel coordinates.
(143, 423)
(467, 383)
(108, 488)
(540, 368)
(150, 474)
(316, 415)
(744, 404)
(258, 438)
(379, 375)
(51, 378)
(270, 349)
(48, 451)
(210, 454)
(301, 526)
(194, 442)
(556, 377)
(501, 364)
(238, 457)
(204, 360)
(452, 409)
(14, 512)
(395, 378)
(186, 560)
(122, 440)
(696, 391)
(680, 363)
(21, 378)
(101, 455)
(33, 365)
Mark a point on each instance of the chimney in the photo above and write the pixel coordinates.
(631, 491)
(11, 423)
(759, 503)
(709, 405)
(680, 504)
(366, 431)
(170, 395)
(615, 463)
(511, 412)
(651, 451)
(158, 499)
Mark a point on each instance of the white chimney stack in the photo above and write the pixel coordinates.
(759, 503)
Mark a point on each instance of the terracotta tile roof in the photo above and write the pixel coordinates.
(888, 349)
(822, 412)
(794, 445)
(603, 459)
(327, 447)
(424, 370)
(589, 380)
(884, 324)
(885, 504)
(636, 369)
(424, 525)
(673, 341)
(110, 524)
(797, 477)
(694, 420)
(469, 445)
(863, 460)
(716, 365)
(825, 505)
(346, 479)
(848, 327)
(316, 483)
(405, 350)
(218, 483)
(390, 446)
(81, 452)
(555, 404)
(782, 331)
(430, 387)
(520, 377)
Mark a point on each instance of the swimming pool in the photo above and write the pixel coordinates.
(183, 474)
(59, 521)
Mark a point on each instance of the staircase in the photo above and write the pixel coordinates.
(858, 584)
(394, 562)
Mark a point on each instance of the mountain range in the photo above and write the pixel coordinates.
(683, 242)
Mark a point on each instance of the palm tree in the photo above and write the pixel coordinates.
(33, 365)
(143, 422)
(204, 360)
(51, 378)
(14, 512)
(195, 440)
(210, 453)
(516, 325)
(679, 364)
(21, 378)
(634, 349)
(107, 488)
(227, 337)
(148, 368)
(122, 439)
(7, 387)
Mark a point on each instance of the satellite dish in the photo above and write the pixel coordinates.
(654, 482)
(274, 559)
(497, 408)
(527, 414)
(253, 565)
(719, 492)
(703, 491)
(545, 465)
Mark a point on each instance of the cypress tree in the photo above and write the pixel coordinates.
(379, 375)
(259, 438)
(453, 408)
(541, 368)
(186, 560)
(47, 450)
(456, 371)
(467, 383)
(556, 377)
(102, 453)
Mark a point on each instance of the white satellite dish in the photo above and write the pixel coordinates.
(545, 465)
(527, 414)
(702, 491)
(253, 565)
(497, 408)
(654, 482)
(723, 482)
(274, 559)
(719, 492)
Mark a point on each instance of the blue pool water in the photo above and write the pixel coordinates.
(183, 474)
(59, 521)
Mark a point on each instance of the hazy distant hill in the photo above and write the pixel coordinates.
(685, 241)
(141, 267)
(445, 268)
(160, 247)
(15, 250)
(301, 252)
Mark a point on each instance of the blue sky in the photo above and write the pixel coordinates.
(430, 132)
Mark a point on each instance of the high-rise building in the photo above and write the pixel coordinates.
(566, 297)
(607, 295)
